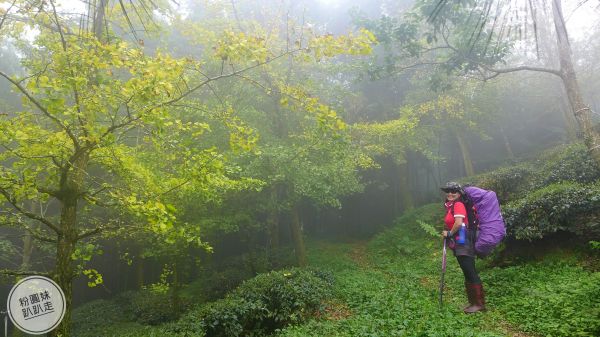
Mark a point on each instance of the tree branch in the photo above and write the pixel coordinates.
(522, 68)
(30, 215)
(42, 108)
(233, 73)
(13, 272)
(6, 14)
(32, 22)
(90, 232)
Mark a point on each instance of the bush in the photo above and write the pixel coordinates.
(507, 182)
(219, 277)
(569, 163)
(565, 163)
(148, 307)
(96, 314)
(259, 305)
(559, 207)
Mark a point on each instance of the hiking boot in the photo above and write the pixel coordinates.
(470, 295)
(479, 299)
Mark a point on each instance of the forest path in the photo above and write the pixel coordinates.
(360, 255)
(393, 291)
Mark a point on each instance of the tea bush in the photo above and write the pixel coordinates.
(218, 277)
(148, 307)
(259, 305)
(507, 182)
(87, 318)
(570, 163)
(562, 206)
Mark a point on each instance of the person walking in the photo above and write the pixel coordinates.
(456, 216)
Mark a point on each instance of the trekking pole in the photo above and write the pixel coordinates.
(5, 313)
(443, 272)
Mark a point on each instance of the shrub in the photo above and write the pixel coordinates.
(286, 295)
(148, 307)
(565, 163)
(569, 163)
(563, 206)
(96, 314)
(507, 182)
(219, 277)
(259, 305)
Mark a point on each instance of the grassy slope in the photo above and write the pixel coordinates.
(389, 287)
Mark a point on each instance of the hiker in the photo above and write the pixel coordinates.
(456, 214)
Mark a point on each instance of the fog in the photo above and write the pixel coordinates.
(150, 144)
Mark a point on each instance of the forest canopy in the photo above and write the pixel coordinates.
(168, 150)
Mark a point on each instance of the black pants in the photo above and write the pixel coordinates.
(467, 264)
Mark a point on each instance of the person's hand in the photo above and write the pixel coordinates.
(446, 234)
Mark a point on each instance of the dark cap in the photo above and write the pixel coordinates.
(452, 186)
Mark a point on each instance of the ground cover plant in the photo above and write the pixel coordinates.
(388, 287)
(257, 307)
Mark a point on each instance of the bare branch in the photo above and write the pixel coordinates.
(6, 14)
(32, 21)
(13, 272)
(37, 235)
(522, 68)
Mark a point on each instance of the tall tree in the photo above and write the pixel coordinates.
(97, 114)
(489, 24)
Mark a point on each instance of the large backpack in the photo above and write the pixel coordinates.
(483, 211)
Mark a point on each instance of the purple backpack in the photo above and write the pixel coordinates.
(491, 223)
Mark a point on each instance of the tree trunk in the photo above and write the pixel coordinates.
(405, 195)
(27, 251)
(72, 181)
(273, 221)
(296, 230)
(507, 146)
(64, 271)
(465, 154)
(581, 111)
(570, 121)
(99, 19)
(28, 244)
(175, 298)
(139, 273)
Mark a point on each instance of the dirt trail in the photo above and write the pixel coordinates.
(359, 254)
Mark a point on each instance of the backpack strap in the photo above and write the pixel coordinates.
(473, 223)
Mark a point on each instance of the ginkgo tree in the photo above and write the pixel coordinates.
(99, 130)
(94, 123)
(108, 128)
(304, 153)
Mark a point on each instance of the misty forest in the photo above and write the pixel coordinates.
(285, 167)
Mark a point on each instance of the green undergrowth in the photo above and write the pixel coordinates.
(559, 190)
(257, 307)
(389, 287)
